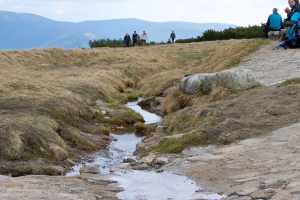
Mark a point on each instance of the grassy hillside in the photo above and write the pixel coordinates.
(48, 95)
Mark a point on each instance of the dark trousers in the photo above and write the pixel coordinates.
(267, 29)
(127, 44)
(134, 42)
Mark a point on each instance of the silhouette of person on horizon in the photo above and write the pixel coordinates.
(127, 39)
(172, 36)
(144, 37)
(134, 38)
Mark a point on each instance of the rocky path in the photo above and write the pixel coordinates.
(85, 186)
(274, 66)
(262, 168)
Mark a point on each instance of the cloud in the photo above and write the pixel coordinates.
(222, 11)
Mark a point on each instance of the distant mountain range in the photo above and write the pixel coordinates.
(24, 31)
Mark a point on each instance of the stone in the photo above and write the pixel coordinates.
(90, 170)
(161, 160)
(275, 184)
(206, 157)
(140, 145)
(100, 103)
(175, 136)
(117, 112)
(284, 194)
(294, 187)
(95, 111)
(59, 153)
(103, 108)
(246, 192)
(129, 160)
(161, 128)
(237, 79)
(146, 102)
(59, 169)
(148, 159)
(159, 100)
(70, 162)
(262, 194)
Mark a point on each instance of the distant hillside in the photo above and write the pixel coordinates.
(23, 31)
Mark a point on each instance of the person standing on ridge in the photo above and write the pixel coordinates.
(127, 39)
(144, 37)
(134, 38)
(274, 22)
(172, 36)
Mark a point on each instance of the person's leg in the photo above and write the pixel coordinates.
(266, 31)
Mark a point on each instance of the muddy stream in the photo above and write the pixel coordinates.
(142, 185)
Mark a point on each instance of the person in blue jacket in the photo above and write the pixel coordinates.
(295, 15)
(274, 22)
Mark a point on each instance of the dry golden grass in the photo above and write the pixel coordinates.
(177, 100)
(42, 87)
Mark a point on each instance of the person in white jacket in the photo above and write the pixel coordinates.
(144, 37)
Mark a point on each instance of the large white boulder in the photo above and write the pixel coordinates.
(237, 79)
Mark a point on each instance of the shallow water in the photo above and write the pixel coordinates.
(141, 185)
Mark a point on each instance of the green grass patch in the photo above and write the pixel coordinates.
(105, 130)
(75, 140)
(131, 94)
(139, 126)
(291, 81)
(176, 145)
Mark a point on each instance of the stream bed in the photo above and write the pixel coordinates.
(143, 185)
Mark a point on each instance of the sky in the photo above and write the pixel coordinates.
(242, 13)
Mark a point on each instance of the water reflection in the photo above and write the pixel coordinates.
(149, 118)
(152, 185)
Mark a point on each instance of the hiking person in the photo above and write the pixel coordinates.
(295, 15)
(144, 37)
(127, 39)
(295, 6)
(274, 22)
(172, 36)
(134, 38)
(287, 10)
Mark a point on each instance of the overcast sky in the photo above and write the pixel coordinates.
(235, 12)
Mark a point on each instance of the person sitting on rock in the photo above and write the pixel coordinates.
(295, 15)
(274, 22)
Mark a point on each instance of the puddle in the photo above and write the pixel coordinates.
(143, 185)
